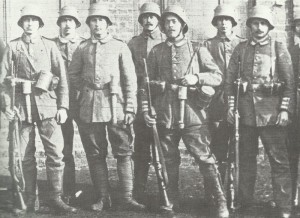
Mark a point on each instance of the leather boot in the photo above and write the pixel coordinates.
(69, 180)
(127, 202)
(99, 176)
(141, 170)
(212, 177)
(173, 186)
(55, 180)
(31, 189)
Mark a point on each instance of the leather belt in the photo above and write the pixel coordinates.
(97, 86)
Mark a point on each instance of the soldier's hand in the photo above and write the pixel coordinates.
(230, 116)
(148, 120)
(129, 118)
(61, 116)
(189, 80)
(10, 114)
(283, 118)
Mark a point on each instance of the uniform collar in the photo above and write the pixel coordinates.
(102, 41)
(65, 40)
(31, 39)
(178, 43)
(226, 38)
(263, 41)
(153, 35)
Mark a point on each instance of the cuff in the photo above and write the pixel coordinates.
(285, 102)
(130, 106)
(145, 106)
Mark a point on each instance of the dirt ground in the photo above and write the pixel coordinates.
(191, 187)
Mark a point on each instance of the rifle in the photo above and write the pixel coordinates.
(157, 154)
(233, 154)
(15, 163)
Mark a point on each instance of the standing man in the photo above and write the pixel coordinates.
(174, 64)
(140, 47)
(67, 42)
(221, 47)
(37, 60)
(265, 107)
(293, 148)
(102, 67)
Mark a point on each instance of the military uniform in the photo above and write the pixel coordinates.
(258, 113)
(95, 64)
(140, 47)
(32, 55)
(293, 148)
(67, 48)
(221, 50)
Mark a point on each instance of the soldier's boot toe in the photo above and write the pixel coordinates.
(131, 204)
(59, 206)
(101, 204)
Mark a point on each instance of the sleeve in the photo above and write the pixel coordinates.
(75, 69)
(210, 73)
(230, 77)
(5, 71)
(286, 75)
(128, 79)
(58, 68)
(152, 68)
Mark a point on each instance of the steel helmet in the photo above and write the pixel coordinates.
(224, 10)
(98, 9)
(69, 11)
(149, 8)
(31, 10)
(179, 12)
(261, 12)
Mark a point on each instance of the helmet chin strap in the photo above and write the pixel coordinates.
(181, 31)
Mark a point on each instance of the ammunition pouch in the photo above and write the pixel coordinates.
(269, 89)
(97, 86)
(158, 87)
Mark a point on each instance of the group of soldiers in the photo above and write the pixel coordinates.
(74, 79)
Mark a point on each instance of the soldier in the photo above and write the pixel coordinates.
(38, 61)
(172, 67)
(264, 107)
(221, 47)
(101, 67)
(67, 42)
(140, 47)
(293, 148)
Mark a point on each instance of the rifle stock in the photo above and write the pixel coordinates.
(158, 157)
(14, 145)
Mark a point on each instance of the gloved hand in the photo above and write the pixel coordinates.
(129, 118)
(10, 114)
(189, 80)
(61, 116)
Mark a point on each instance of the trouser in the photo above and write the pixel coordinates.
(93, 136)
(69, 177)
(51, 136)
(274, 140)
(293, 152)
(142, 155)
(220, 133)
(196, 139)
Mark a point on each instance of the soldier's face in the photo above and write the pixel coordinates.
(172, 26)
(30, 25)
(67, 26)
(297, 27)
(149, 21)
(259, 28)
(224, 25)
(98, 26)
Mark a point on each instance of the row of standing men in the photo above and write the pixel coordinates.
(85, 69)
